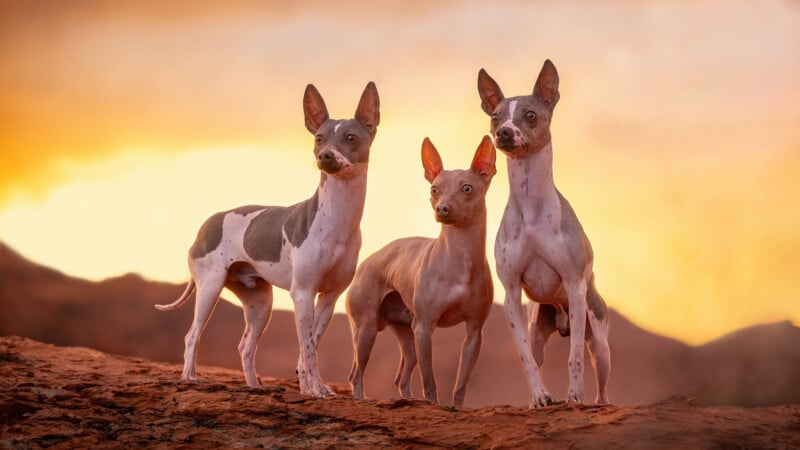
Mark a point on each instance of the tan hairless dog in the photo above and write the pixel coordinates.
(417, 284)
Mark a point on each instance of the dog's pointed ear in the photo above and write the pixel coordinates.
(431, 160)
(490, 92)
(484, 161)
(368, 112)
(546, 86)
(314, 109)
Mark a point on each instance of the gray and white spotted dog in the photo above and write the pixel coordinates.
(541, 247)
(310, 248)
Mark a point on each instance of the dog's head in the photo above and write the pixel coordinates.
(520, 125)
(342, 146)
(459, 196)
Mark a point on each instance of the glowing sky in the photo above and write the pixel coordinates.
(677, 136)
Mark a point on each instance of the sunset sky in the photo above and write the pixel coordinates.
(123, 125)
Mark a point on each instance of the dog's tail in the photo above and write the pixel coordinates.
(181, 300)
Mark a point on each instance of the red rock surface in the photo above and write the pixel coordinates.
(68, 397)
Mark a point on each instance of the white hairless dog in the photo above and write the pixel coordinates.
(541, 248)
(310, 248)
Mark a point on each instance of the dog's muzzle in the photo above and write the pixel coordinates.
(506, 141)
(442, 213)
(326, 161)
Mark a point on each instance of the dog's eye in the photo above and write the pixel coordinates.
(495, 119)
(318, 138)
(530, 115)
(434, 190)
(351, 137)
(466, 188)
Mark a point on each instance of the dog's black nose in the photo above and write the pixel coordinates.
(505, 133)
(326, 161)
(443, 210)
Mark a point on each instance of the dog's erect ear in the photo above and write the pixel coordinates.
(314, 109)
(431, 160)
(490, 92)
(484, 161)
(546, 86)
(368, 112)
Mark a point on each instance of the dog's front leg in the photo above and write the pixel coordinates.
(516, 317)
(307, 369)
(422, 336)
(323, 313)
(469, 355)
(322, 316)
(576, 293)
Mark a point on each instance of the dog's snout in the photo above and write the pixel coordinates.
(327, 161)
(443, 210)
(505, 133)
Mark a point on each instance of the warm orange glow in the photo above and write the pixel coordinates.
(122, 127)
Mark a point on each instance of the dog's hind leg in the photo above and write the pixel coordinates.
(469, 355)
(597, 337)
(408, 357)
(394, 312)
(257, 309)
(541, 324)
(363, 340)
(208, 290)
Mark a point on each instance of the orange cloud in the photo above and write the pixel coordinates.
(676, 134)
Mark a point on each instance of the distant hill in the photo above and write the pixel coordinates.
(754, 366)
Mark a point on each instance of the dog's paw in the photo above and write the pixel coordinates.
(575, 397)
(314, 386)
(541, 399)
(319, 390)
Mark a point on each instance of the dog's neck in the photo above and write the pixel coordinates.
(342, 199)
(466, 240)
(531, 183)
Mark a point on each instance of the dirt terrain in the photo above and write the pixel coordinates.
(67, 397)
(757, 366)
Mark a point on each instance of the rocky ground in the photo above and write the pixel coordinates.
(67, 397)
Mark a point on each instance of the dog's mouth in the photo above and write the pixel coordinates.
(345, 171)
(329, 166)
(510, 148)
(449, 219)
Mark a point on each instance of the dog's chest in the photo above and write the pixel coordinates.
(330, 238)
(457, 280)
(528, 238)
